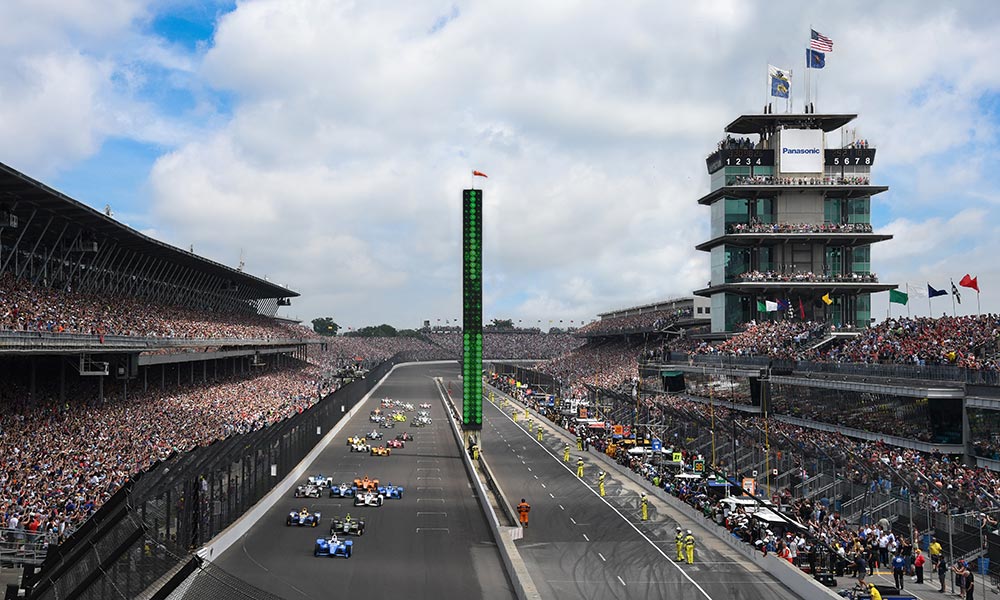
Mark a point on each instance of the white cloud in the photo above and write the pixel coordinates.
(355, 125)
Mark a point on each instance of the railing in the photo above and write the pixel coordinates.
(887, 371)
(28, 340)
(764, 228)
(19, 547)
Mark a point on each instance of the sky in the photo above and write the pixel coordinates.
(328, 142)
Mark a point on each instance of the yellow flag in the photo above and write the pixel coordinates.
(827, 299)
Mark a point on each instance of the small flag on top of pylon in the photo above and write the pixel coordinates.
(480, 174)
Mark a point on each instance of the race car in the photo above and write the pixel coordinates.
(360, 445)
(355, 439)
(396, 443)
(347, 526)
(380, 451)
(387, 402)
(406, 436)
(407, 406)
(398, 416)
(307, 490)
(375, 435)
(365, 484)
(302, 517)
(333, 546)
(370, 498)
(320, 480)
(377, 418)
(420, 422)
(388, 424)
(392, 492)
(342, 490)
(425, 405)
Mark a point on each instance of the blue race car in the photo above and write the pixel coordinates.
(303, 517)
(392, 492)
(333, 546)
(343, 490)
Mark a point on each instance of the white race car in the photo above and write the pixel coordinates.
(360, 445)
(368, 499)
(425, 405)
(321, 481)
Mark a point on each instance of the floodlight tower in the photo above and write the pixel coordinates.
(472, 311)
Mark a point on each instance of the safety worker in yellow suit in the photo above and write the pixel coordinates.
(539, 432)
(525, 412)
(514, 414)
(579, 443)
(679, 539)
(579, 468)
(689, 546)
(531, 424)
(644, 505)
(600, 483)
(566, 453)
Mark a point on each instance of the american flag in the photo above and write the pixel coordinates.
(820, 42)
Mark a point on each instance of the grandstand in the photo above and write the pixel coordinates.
(790, 225)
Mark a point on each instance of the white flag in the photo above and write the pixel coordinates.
(771, 306)
(916, 290)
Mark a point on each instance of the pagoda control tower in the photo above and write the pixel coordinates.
(791, 223)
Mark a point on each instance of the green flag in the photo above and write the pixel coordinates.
(761, 307)
(898, 297)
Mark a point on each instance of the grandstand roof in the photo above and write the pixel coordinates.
(794, 288)
(770, 191)
(29, 195)
(747, 124)
(667, 304)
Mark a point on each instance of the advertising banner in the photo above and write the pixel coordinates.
(801, 151)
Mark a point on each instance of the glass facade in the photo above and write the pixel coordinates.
(936, 421)
(984, 432)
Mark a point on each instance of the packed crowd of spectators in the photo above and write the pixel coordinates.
(769, 180)
(344, 351)
(608, 365)
(731, 143)
(60, 461)
(515, 346)
(27, 307)
(861, 144)
(656, 320)
(758, 227)
(808, 276)
(783, 339)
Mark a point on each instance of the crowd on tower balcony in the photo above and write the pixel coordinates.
(61, 460)
(655, 320)
(860, 144)
(782, 339)
(808, 276)
(35, 308)
(769, 180)
(731, 143)
(758, 227)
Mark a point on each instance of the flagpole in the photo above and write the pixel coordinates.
(979, 310)
(953, 311)
(808, 86)
(907, 301)
(929, 313)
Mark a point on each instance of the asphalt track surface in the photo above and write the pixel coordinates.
(579, 545)
(434, 543)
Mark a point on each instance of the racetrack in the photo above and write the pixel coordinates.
(579, 545)
(434, 543)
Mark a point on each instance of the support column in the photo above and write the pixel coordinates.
(163, 375)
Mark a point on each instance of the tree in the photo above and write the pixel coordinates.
(503, 324)
(325, 326)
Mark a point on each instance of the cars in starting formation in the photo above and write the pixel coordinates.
(365, 491)
(303, 518)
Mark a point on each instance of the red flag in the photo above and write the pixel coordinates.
(480, 174)
(970, 282)
(802, 310)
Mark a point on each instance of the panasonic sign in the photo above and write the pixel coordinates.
(801, 151)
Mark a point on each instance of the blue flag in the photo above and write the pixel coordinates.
(815, 59)
(933, 293)
(781, 81)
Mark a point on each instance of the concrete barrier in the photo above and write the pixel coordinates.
(517, 571)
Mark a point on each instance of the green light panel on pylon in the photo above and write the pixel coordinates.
(472, 309)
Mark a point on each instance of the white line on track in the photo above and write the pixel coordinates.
(551, 496)
(572, 519)
(612, 507)
(585, 537)
(602, 557)
(543, 485)
(561, 507)
(620, 579)
(529, 468)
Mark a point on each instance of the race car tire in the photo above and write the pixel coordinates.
(347, 552)
(316, 551)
